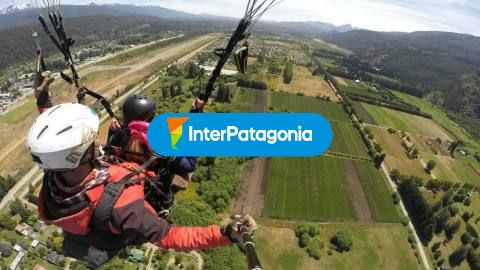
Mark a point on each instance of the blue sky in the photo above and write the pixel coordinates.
(461, 16)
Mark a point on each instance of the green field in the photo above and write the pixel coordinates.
(312, 189)
(406, 122)
(440, 117)
(396, 156)
(374, 247)
(453, 169)
(18, 113)
(379, 196)
(290, 102)
(321, 44)
(244, 99)
(346, 140)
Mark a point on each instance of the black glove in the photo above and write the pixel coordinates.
(232, 230)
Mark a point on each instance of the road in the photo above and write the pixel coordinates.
(392, 183)
(23, 183)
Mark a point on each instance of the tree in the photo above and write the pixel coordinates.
(314, 247)
(5, 249)
(442, 220)
(378, 147)
(473, 259)
(342, 240)
(192, 70)
(6, 222)
(288, 73)
(431, 165)
(395, 174)
(192, 213)
(303, 240)
(419, 210)
(16, 207)
(457, 257)
(452, 228)
(41, 251)
(9, 236)
(396, 198)
(414, 153)
(466, 238)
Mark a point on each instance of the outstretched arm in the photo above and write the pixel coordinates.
(41, 88)
(141, 224)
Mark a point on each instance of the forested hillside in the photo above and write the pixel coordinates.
(445, 66)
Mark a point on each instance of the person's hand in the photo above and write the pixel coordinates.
(115, 125)
(47, 79)
(232, 230)
(198, 103)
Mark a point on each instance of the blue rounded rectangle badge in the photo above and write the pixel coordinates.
(240, 134)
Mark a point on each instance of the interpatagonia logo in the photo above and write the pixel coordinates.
(175, 127)
(240, 134)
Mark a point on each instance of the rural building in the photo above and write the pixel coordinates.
(136, 255)
(20, 228)
(53, 258)
(23, 229)
(38, 226)
(34, 243)
(17, 248)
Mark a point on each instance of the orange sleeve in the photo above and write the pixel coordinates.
(190, 238)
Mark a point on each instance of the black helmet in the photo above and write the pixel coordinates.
(138, 107)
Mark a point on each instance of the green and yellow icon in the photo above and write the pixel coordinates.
(175, 125)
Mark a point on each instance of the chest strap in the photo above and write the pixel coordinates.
(102, 216)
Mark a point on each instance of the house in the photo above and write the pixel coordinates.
(17, 248)
(136, 255)
(38, 267)
(38, 226)
(53, 258)
(34, 243)
(23, 229)
(20, 228)
(17, 260)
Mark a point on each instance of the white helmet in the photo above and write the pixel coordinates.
(60, 136)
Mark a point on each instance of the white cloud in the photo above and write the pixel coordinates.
(383, 15)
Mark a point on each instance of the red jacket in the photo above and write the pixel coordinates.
(132, 216)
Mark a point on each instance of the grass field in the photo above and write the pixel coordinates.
(374, 247)
(406, 122)
(304, 82)
(19, 113)
(321, 44)
(453, 169)
(244, 99)
(363, 113)
(440, 117)
(330, 110)
(312, 189)
(379, 196)
(346, 140)
(360, 88)
(396, 157)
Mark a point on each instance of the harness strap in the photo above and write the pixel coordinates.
(103, 211)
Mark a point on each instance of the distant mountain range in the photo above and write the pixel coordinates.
(20, 15)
